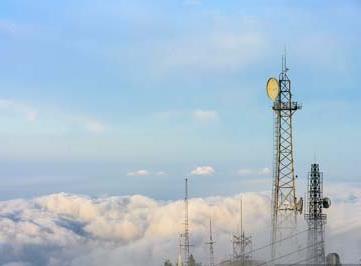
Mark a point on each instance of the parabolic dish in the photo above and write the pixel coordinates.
(273, 88)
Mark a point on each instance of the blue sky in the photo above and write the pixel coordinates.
(94, 91)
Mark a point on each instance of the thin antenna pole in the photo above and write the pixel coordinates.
(241, 216)
(243, 240)
(211, 243)
(186, 225)
(285, 58)
(210, 229)
(179, 262)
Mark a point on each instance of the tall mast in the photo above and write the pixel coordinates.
(241, 209)
(241, 243)
(284, 202)
(186, 226)
(180, 262)
(315, 217)
(211, 242)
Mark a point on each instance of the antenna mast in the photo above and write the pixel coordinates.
(284, 203)
(242, 244)
(211, 242)
(180, 262)
(241, 208)
(186, 244)
(316, 220)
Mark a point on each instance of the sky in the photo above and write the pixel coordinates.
(129, 97)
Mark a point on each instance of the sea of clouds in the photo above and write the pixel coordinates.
(66, 229)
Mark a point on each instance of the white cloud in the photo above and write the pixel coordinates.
(265, 171)
(139, 173)
(28, 112)
(199, 115)
(74, 230)
(90, 124)
(144, 172)
(203, 170)
(215, 50)
(205, 116)
(254, 172)
(94, 126)
(68, 120)
(7, 27)
(244, 172)
(192, 2)
(161, 173)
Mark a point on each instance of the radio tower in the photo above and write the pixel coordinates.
(211, 242)
(284, 202)
(180, 262)
(185, 235)
(316, 220)
(242, 244)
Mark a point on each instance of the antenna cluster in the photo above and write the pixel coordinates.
(241, 243)
(286, 207)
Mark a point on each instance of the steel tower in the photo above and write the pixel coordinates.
(284, 202)
(180, 261)
(211, 242)
(185, 245)
(241, 243)
(316, 220)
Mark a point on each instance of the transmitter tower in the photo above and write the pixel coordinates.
(185, 236)
(241, 243)
(285, 206)
(316, 220)
(211, 243)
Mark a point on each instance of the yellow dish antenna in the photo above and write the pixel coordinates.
(273, 88)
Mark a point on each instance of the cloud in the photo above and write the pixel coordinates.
(81, 122)
(145, 173)
(90, 124)
(28, 112)
(7, 27)
(254, 172)
(94, 126)
(199, 116)
(205, 116)
(192, 2)
(12, 28)
(161, 173)
(75, 230)
(139, 173)
(203, 170)
(218, 49)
